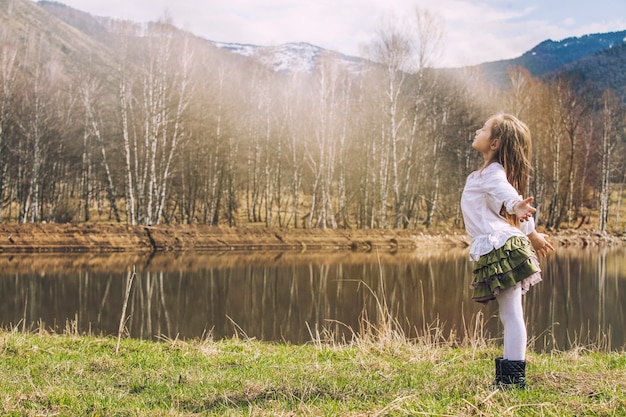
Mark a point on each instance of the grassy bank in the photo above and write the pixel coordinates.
(379, 374)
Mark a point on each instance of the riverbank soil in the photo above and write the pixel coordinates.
(16, 238)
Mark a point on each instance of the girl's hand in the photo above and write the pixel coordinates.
(523, 209)
(540, 243)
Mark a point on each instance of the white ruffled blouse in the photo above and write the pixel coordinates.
(486, 192)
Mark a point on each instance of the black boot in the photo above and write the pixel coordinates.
(513, 373)
(498, 380)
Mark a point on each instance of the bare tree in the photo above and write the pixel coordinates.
(90, 91)
(428, 41)
(36, 121)
(392, 52)
(296, 127)
(321, 155)
(129, 136)
(9, 69)
(566, 114)
(403, 53)
(610, 117)
(152, 107)
(258, 133)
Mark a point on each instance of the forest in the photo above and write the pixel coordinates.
(159, 126)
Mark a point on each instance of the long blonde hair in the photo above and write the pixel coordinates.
(514, 154)
(515, 149)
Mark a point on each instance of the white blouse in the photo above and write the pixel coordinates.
(486, 192)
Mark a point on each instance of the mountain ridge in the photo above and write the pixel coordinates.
(572, 55)
(291, 56)
(549, 56)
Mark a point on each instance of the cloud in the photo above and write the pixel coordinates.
(492, 30)
(569, 21)
(271, 22)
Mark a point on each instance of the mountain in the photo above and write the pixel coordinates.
(597, 59)
(551, 56)
(26, 22)
(292, 57)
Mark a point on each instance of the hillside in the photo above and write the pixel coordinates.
(300, 57)
(22, 21)
(550, 57)
(604, 69)
(95, 27)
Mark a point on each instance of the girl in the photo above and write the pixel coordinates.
(504, 244)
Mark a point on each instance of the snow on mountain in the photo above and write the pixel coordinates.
(292, 57)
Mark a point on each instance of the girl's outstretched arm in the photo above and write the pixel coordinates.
(540, 243)
(523, 210)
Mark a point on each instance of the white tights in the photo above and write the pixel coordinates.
(512, 318)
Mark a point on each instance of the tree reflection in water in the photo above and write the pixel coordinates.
(295, 297)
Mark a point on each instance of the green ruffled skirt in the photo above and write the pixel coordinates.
(513, 263)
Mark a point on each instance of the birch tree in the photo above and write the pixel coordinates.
(296, 127)
(551, 129)
(9, 70)
(35, 122)
(393, 51)
(573, 119)
(224, 191)
(404, 52)
(90, 92)
(258, 131)
(130, 144)
(564, 120)
(427, 42)
(611, 120)
(152, 108)
(206, 161)
(165, 97)
(321, 153)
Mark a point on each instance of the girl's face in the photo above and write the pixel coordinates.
(482, 140)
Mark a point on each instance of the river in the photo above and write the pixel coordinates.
(303, 297)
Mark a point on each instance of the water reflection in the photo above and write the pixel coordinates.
(287, 296)
(580, 296)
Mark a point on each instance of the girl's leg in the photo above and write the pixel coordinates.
(512, 317)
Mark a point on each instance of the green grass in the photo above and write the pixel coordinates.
(376, 374)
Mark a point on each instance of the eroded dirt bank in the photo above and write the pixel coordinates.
(16, 238)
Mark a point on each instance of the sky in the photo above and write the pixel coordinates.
(475, 31)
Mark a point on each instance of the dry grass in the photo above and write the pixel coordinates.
(378, 372)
